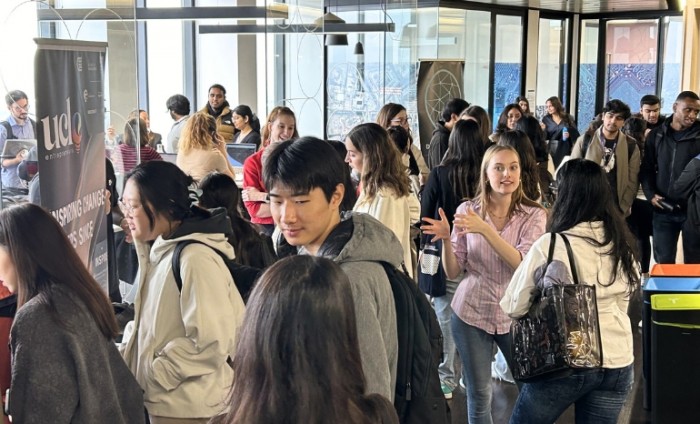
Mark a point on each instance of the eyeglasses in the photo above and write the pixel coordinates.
(401, 121)
(18, 108)
(127, 209)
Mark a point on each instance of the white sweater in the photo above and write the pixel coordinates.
(594, 267)
(396, 213)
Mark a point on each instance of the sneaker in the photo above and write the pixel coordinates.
(461, 383)
(446, 391)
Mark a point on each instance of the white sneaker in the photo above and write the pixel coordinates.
(461, 383)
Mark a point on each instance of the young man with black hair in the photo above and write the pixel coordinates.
(616, 154)
(17, 126)
(218, 107)
(306, 183)
(443, 128)
(667, 151)
(650, 111)
(179, 108)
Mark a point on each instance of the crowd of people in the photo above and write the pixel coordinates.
(316, 340)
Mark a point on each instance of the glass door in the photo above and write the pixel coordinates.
(631, 48)
(508, 63)
(550, 63)
(587, 71)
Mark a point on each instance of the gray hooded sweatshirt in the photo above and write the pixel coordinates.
(358, 244)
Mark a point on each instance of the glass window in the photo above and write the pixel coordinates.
(165, 70)
(477, 50)
(671, 66)
(217, 63)
(549, 59)
(549, 62)
(358, 86)
(631, 52)
(587, 71)
(508, 62)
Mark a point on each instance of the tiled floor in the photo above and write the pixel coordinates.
(504, 394)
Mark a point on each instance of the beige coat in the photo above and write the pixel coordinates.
(182, 339)
(627, 166)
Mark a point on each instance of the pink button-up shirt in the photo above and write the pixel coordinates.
(486, 274)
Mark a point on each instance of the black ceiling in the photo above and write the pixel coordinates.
(587, 6)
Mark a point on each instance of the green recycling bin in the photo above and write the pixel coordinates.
(675, 358)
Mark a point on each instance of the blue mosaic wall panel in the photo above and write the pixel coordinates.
(586, 93)
(506, 87)
(630, 82)
(670, 86)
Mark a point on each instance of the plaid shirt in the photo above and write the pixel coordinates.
(486, 274)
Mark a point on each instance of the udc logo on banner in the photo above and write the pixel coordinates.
(60, 130)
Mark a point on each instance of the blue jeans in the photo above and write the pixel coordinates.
(667, 227)
(443, 310)
(475, 347)
(598, 395)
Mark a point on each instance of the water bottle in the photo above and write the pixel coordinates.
(564, 130)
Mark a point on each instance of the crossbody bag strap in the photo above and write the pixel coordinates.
(572, 261)
(552, 242)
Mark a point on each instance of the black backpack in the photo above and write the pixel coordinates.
(243, 276)
(8, 129)
(418, 395)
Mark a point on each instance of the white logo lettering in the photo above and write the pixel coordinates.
(58, 134)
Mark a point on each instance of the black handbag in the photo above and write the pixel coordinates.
(561, 331)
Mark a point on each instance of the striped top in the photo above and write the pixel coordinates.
(486, 274)
(124, 157)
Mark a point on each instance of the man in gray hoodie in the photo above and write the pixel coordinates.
(305, 180)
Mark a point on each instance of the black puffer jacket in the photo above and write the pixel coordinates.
(665, 158)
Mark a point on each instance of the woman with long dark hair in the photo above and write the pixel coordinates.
(153, 139)
(456, 179)
(402, 141)
(586, 212)
(183, 335)
(62, 338)
(125, 156)
(247, 126)
(510, 116)
(302, 306)
(251, 247)
(524, 104)
(490, 236)
(479, 114)
(560, 129)
(385, 189)
(529, 174)
(530, 126)
(395, 115)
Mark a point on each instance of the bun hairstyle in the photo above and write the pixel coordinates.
(163, 189)
(247, 112)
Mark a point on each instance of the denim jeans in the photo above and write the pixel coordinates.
(667, 227)
(475, 347)
(598, 395)
(443, 310)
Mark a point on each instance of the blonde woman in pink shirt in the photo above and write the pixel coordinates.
(491, 235)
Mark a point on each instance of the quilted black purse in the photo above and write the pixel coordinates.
(560, 332)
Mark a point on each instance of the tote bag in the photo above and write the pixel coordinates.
(560, 332)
